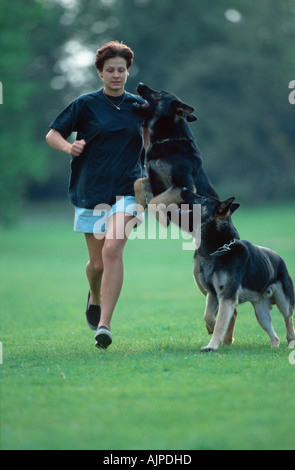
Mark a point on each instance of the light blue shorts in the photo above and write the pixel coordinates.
(96, 220)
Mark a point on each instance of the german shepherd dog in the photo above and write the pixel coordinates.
(232, 271)
(173, 160)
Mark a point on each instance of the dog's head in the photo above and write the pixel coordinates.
(216, 224)
(212, 208)
(161, 104)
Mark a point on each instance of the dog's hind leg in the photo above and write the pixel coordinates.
(290, 329)
(286, 308)
(141, 187)
(225, 312)
(262, 312)
(159, 205)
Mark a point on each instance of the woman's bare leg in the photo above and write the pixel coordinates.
(113, 269)
(94, 267)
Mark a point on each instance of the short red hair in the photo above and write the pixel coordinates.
(113, 49)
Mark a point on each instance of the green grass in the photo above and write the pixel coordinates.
(152, 389)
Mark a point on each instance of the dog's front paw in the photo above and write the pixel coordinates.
(208, 349)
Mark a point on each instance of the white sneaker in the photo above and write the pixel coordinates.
(103, 337)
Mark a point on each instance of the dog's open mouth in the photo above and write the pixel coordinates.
(142, 106)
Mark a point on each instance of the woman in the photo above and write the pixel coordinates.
(106, 160)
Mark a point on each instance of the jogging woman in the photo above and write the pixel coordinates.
(106, 160)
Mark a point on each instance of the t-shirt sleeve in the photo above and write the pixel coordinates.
(70, 119)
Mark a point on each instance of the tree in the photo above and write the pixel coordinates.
(234, 67)
(25, 70)
(233, 64)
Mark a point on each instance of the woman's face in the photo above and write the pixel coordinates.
(114, 75)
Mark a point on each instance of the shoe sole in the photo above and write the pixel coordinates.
(103, 339)
(92, 327)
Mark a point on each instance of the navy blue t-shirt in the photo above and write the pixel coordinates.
(111, 160)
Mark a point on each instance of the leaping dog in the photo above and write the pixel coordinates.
(173, 160)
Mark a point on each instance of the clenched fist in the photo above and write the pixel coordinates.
(77, 148)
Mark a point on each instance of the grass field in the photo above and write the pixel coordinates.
(152, 389)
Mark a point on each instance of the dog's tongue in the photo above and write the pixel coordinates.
(141, 108)
(141, 105)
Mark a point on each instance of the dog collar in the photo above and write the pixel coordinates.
(180, 139)
(223, 249)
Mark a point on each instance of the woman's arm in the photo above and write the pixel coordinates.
(56, 141)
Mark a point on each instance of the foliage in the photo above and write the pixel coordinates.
(232, 63)
(25, 33)
(236, 74)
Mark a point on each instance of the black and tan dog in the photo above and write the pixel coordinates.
(232, 271)
(173, 160)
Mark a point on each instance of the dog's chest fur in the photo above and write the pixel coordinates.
(222, 283)
(163, 169)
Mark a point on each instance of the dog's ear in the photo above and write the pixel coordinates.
(234, 207)
(224, 208)
(191, 118)
(183, 110)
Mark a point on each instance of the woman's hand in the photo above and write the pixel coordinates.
(56, 141)
(77, 148)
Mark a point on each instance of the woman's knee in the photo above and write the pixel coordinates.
(112, 251)
(95, 247)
